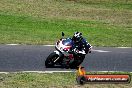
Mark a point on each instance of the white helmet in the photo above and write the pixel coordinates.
(77, 37)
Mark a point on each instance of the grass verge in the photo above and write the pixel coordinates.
(103, 22)
(54, 80)
(27, 30)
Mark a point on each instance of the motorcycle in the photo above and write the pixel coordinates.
(64, 56)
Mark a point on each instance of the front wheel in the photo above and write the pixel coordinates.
(50, 60)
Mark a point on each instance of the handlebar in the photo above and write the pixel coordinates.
(77, 51)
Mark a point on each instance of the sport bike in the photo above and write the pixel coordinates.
(64, 56)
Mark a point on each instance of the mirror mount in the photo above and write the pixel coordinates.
(63, 34)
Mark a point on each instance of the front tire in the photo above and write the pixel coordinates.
(50, 60)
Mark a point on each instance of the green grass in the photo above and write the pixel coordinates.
(102, 22)
(27, 30)
(55, 80)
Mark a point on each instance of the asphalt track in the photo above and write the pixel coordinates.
(15, 58)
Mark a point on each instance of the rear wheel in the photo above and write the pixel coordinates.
(77, 62)
(50, 60)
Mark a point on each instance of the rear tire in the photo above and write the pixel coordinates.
(76, 63)
(50, 60)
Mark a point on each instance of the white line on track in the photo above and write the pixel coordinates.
(12, 44)
(124, 47)
(4, 72)
(48, 71)
(101, 51)
(38, 72)
(55, 72)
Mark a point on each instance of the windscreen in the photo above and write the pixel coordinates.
(67, 42)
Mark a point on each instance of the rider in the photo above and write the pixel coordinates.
(80, 44)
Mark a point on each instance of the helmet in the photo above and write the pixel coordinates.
(77, 37)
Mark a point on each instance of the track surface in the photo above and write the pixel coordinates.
(32, 58)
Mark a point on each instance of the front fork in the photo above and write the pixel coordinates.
(61, 58)
(56, 59)
(59, 54)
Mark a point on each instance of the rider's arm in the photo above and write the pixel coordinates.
(87, 46)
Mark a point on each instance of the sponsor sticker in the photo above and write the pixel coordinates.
(82, 77)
